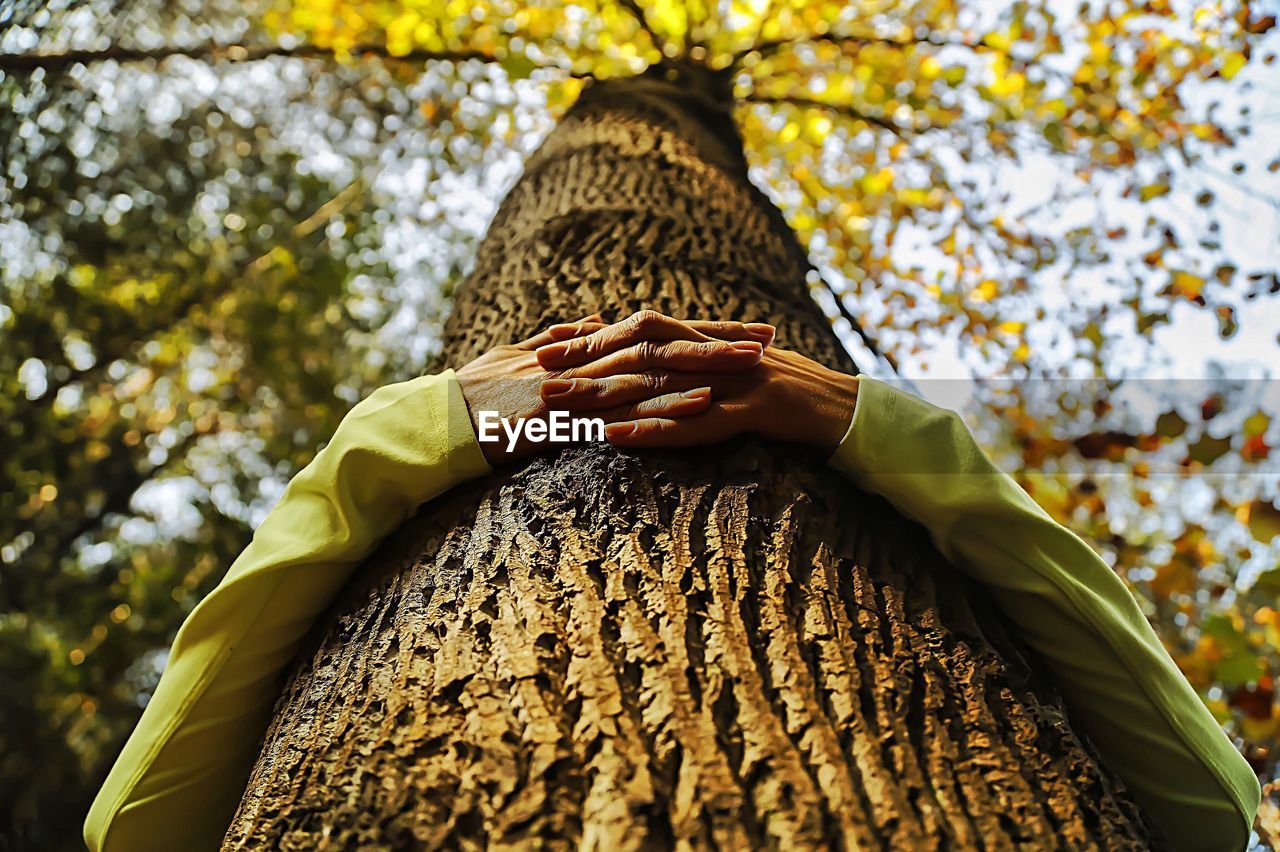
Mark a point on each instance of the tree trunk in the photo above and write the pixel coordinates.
(723, 648)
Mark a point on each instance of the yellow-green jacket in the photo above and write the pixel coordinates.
(179, 777)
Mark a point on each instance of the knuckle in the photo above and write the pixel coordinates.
(652, 381)
(646, 319)
(679, 348)
(646, 350)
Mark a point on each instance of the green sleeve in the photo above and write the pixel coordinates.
(1147, 722)
(179, 777)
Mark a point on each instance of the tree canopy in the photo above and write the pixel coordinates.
(221, 225)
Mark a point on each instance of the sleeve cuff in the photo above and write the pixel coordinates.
(861, 444)
(465, 458)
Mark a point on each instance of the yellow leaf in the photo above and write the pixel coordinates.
(878, 182)
(1006, 85)
(998, 41)
(1232, 65)
(400, 33)
(816, 128)
(1153, 190)
(1185, 284)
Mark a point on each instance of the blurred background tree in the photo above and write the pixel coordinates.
(222, 224)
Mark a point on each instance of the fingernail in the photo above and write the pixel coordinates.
(696, 393)
(747, 346)
(552, 350)
(619, 430)
(558, 387)
(760, 329)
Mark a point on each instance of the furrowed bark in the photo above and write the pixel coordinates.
(724, 648)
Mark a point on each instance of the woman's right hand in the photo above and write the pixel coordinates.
(509, 379)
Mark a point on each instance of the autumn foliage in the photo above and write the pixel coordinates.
(220, 230)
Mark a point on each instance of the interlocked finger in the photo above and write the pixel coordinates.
(711, 356)
(586, 394)
(717, 423)
(586, 325)
(642, 327)
(727, 330)
(671, 406)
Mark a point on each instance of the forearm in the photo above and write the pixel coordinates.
(181, 771)
(1068, 605)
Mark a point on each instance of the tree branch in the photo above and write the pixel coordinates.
(846, 110)
(636, 12)
(765, 17)
(867, 340)
(766, 48)
(28, 62)
(123, 485)
(182, 309)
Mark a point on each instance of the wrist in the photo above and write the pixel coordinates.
(478, 395)
(832, 406)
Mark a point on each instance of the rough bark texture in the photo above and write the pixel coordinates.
(725, 648)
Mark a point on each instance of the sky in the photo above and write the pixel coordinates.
(1189, 346)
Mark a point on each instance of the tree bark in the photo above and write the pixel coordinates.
(724, 648)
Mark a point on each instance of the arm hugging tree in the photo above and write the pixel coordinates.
(725, 647)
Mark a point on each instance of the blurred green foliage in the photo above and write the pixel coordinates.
(222, 224)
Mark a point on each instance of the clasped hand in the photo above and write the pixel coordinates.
(657, 381)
